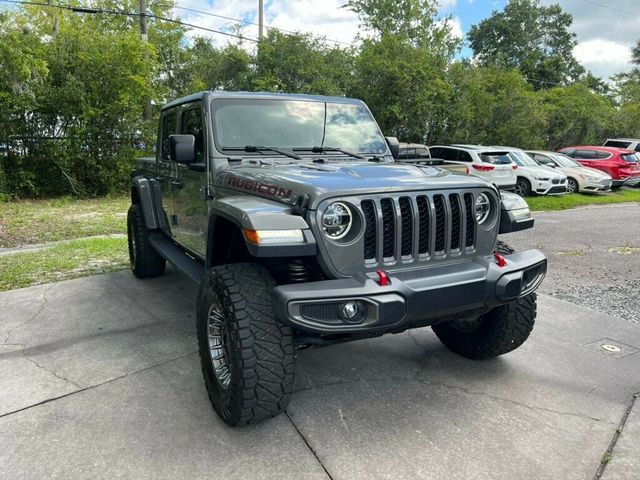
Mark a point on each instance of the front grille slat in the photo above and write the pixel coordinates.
(469, 220)
(407, 216)
(370, 242)
(423, 218)
(417, 227)
(454, 203)
(388, 228)
(440, 223)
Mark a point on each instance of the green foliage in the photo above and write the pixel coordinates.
(531, 38)
(73, 86)
(577, 116)
(301, 63)
(493, 106)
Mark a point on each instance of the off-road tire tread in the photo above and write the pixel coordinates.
(261, 348)
(503, 329)
(148, 263)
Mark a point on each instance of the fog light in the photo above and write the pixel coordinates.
(353, 311)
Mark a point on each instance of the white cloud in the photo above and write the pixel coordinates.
(603, 57)
(605, 31)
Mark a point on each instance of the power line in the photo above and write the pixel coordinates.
(127, 14)
(604, 5)
(249, 22)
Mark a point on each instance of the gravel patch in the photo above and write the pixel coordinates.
(594, 256)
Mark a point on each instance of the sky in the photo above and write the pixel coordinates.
(606, 29)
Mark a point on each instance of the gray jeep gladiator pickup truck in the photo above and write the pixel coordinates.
(300, 229)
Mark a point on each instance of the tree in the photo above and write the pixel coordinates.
(400, 70)
(531, 38)
(493, 106)
(577, 116)
(301, 63)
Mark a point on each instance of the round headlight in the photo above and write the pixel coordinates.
(483, 208)
(337, 220)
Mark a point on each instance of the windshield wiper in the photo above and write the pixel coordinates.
(331, 149)
(257, 148)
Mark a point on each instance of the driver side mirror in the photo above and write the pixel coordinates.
(394, 146)
(182, 148)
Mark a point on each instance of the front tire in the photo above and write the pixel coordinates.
(497, 332)
(494, 333)
(572, 185)
(247, 355)
(523, 187)
(145, 261)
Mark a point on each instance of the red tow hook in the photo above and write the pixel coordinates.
(500, 260)
(383, 279)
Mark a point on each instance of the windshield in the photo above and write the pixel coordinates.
(629, 157)
(288, 124)
(522, 159)
(565, 161)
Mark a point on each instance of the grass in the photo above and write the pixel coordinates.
(76, 258)
(565, 202)
(27, 222)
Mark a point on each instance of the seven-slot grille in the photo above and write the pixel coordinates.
(417, 226)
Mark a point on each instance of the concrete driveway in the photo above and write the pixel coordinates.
(99, 379)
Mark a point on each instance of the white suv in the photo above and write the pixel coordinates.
(534, 178)
(626, 143)
(488, 162)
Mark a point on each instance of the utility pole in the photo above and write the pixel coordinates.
(55, 20)
(145, 38)
(260, 19)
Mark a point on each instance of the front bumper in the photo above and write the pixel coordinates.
(632, 182)
(595, 185)
(547, 187)
(412, 297)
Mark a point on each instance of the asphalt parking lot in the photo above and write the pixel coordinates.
(99, 378)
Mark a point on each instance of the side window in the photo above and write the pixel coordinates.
(436, 152)
(569, 153)
(637, 149)
(586, 154)
(191, 124)
(168, 128)
(422, 153)
(599, 155)
(449, 154)
(464, 156)
(617, 143)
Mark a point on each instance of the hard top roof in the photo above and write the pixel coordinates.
(259, 95)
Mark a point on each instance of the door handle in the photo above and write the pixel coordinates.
(177, 183)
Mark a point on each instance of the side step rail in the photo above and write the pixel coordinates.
(174, 254)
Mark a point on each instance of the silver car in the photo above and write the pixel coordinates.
(579, 178)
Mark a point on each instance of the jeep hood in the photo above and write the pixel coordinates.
(321, 180)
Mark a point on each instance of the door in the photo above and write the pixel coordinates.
(166, 168)
(191, 202)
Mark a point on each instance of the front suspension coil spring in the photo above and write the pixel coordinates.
(298, 272)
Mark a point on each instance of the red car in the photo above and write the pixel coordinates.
(621, 164)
